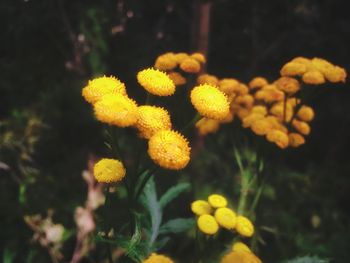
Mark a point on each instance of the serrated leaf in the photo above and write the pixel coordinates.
(177, 225)
(172, 193)
(307, 259)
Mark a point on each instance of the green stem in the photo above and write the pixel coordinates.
(144, 182)
(149, 98)
(191, 122)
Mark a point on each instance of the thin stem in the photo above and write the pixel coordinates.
(149, 98)
(191, 122)
(144, 182)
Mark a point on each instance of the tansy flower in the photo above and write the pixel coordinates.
(217, 201)
(177, 78)
(242, 112)
(229, 86)
(156, 258)
(240, 257)
(109, 171)
(276, 124)
(179, 57)
(244, 226)
(251, 118)
(301, 127)
(293, 69)
(169, 149)
(261, 127)
(288, 85)
(166, 62)
(156, 82)
(116, 109)
(336, 74)
(260, 109)
(206, 126)
(295, 140)
(225, 217)
(190, 65)
(282, 112)
(278, 137)
(269, 94)
(314, 77)
(199, 57)
(210, 102)
(306, 113)
(201, 207)
(152, 119)
(239, 246)
(207, 79)
(229, 118)
(207, 224)
(99, 87)
(242, 89)
(246, 101)
(257, 83)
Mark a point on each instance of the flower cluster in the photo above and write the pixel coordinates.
(214, 213)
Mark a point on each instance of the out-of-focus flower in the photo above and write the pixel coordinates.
(278, 137)
(109, 171)
(207, 79)
(225, 217)
(295, 140)
(169, 149)
(190, 65)
(84, 220)
(217, 201)
(257, 83)
(306, 113)
(199, 57)
(54, 233)
(157, 258)
(261, 127)
(177, 78)
(206, 126)
(207, 224)
(240, 257)
(239, 246)
(229, 86)
(244, 226)
(156, 82)
(166, 61)
(201, 207)
(179, 57)
(288, 85)
(314, 77)
(302, 127)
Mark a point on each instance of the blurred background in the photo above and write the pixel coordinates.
(50, 49)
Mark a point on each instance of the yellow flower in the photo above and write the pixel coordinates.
(179, 57)
(242, 112)
(229, 86)
(206, 126)
(239, 246)
(240, 257)
(152, 119)
(177, 78)
(293, 69)
(201, 207)
(190, 65)
(269, 94)
(301, 127)
(207, 224)
(260, 109)
(257, 83)
(278, 137)
(109, 171)
(242, 89)
(156, 82)
(156, 258)
(225, 217)
(261, 127)
(210, 102)
(336, 74)
(217, 201)
(229, 118)
(295, 140)
(306, 113)
(116, 109)
(245, 100)
(169, 149)
(166, 61)
(199, 57)
(207, 79)
(288, 85)
(251, 118)
(244, 226)
(278, 110)
(99, 87)
(276, 124)
(314, 77)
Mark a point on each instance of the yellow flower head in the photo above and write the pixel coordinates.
(293, 69)
(278, 110)
(314, 77)
(239, 246)
(257, 83)
(246, 101)
(260, 109)
(206, 126)
(217, 201)
(179, 57)
(207, 79)
(109, 171)
(152, 119)
(229, 86)
(156, 82)
(261, 127)
(251, 118)
(190, 65)
(225, 217)
(295, 140)
(242, 112)
(242, 89)
(288, 85)
(169, 149)
(278, 137)
(306, 113)
(99, 87)
(276, 123)
(336, 74)
(244, 226)
(166, 62)
(269, 94)
(301, 127)
(156, 258)
(207, 224)
(199, 57)
(177, 78)
(201, 207)
(229, 118)
(240, 257)
(210, 102)
(116, 109)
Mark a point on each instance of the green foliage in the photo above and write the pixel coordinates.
(307, 259)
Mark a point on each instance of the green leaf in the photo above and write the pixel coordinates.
(8, 256)
(22, 194)
(177, 225)
(172, 193)
(307, 259)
